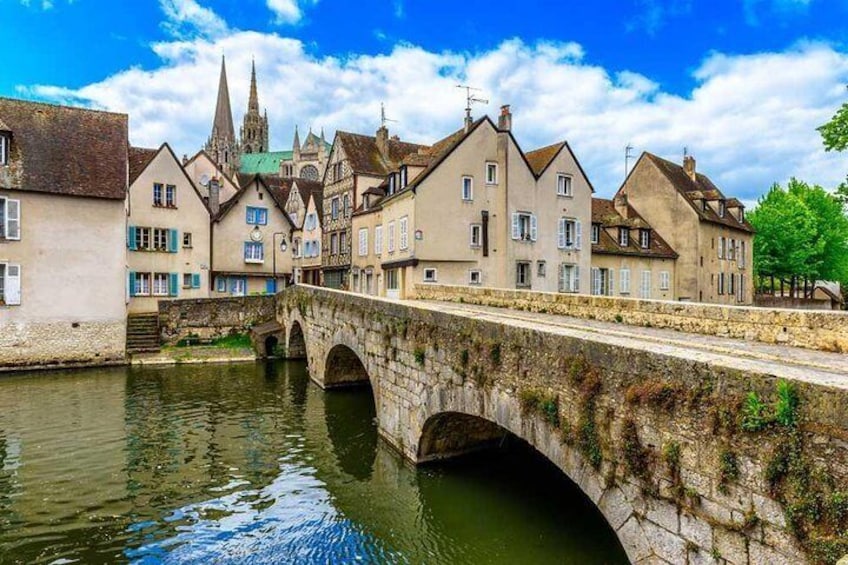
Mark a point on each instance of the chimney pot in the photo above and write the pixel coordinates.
(505, 119)
(689, 166)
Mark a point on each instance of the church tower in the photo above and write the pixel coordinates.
(254, 132)
(222, 145)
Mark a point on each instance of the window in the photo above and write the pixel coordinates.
(346, 206)
(569, 235)
(596, 233)
(10, 219)
(722, 208)
(186, 239)
(476, 235)
(624, 281)
(170, 196)
(160, 239)
(4, 150)
(721, 284)
(564, 185)
(404, 176)
(403, 226)
(334, 244)
(721, 248)
(740, 259)
(378, 240)
(186, 280)
(740, 289)
(665, 282)
(491, 173)
(142, 238)
(602, 282)
(141, 284)
(475, 276)
(10, 284)
(334, 209)
(646, 284)
(524, 226)
(541, 268)
(257, 216)
(731, 250)
(363, 242)
(157, 194)
(160, 284)
(391, 243)
(623, 237)
(741, 219)
(731, 289)
(467, 188)
(254, 252)
(342, 242)
(2, 283)
(645, 238)
(429, 275)
(569, 278)
(221, 284)
(522, 274)
(392, 280)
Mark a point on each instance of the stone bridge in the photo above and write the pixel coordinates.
(695, 448)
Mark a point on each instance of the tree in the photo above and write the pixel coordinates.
(835, 132)
(829, 260)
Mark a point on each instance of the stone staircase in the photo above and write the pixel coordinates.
(143, 333)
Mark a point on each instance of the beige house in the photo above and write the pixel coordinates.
(251, 239)
(708, 230)
(210, 180)
(356, 164)
(474, 209)
(63, 186)
(168, 234)
(629, 258)
(306, 243)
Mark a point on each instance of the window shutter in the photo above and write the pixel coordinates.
(172, 241)
(534, 227)
(596, 281)
(516, 226)
(13, 219)
(270, 286)
(576, 278)
(132, 283)
(561, 284)
(131, 230)
(195, 280)
(578, 227)
(174, 284)
(611, 282)
(13, 285)
(561, 235)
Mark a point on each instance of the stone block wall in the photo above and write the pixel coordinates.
(31, 345)
(210, 318)
(658, 442)
(824, 331)
(764, 301)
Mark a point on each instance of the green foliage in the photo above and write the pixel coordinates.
(636, 457)
(671, 457)
(655, 393)
(233, 341)
(618, 318)
(786, 410)
(463, 357)
(495, 354)
(835, 132)
(546, 404)
(754, 414)
(419, 356)
(728, 470)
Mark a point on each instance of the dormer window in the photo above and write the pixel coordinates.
(391, 183)
(403, 177)
(623, 237)
(645, 238)
(722, 208)
(596, 233)
(741, 214)
(706, 205)
(4, 149)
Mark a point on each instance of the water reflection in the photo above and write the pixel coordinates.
(253, 463)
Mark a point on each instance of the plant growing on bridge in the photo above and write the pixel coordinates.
(728, 466)
(637, 458)
(419, 356)
(754, 416)
(655, 393)
(545, 404)
(786, 410)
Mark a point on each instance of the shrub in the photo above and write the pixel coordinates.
(754, 413)
(786, 409)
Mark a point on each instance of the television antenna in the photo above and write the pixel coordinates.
(628, 154)
(383, 119)
(471, 99)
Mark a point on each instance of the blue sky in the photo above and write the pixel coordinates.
(743, 84)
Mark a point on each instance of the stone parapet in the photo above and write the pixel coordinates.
(210, 318)
(818, 330)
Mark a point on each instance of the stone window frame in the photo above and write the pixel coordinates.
(433, 275)
(565, 185)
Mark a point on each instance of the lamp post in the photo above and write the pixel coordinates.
(283, 247)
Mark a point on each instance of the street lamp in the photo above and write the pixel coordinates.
(283, 246)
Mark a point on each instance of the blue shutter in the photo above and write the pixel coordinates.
(173, 235)
(195, 280)
(270, 286)
(132, 283)
(131, 238)
(174, 284)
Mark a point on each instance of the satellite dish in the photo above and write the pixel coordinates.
(204, 179)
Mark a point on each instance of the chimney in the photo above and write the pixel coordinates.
(468, 121)
(383, 141)
(185, 158)
(689, 166)
(505, 119)
(620, 204)
(214, 197)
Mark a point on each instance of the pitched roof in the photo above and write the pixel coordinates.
(3, 126)
(365, 158)
(67, 151)
(541, 158)
(306, 187)
(278, 187)
(606, 215)
(695, 191)
(263, 163)
(139, 158)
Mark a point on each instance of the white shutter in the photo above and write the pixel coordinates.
(13, 219)
(516, 226)
(13, 285)
(562, 285)
(561, 234)
(575, 279)
(534, 227)
(610, 282)
(596, 281)
(578, 226)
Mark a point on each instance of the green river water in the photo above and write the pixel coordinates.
(255, 464)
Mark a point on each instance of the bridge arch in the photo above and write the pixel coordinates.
(344, 367)
(295, 341)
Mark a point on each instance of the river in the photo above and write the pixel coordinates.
(253, 463)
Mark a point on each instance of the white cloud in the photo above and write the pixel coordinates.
(187, 18)
(289, 11)
(749, 121)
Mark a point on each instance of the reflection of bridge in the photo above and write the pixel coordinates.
(648, 423)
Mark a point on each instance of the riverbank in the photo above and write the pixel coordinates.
(194, 355)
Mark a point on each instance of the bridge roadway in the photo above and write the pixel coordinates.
(805, 365)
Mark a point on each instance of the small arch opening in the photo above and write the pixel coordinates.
(297, 344)
(344, 368)
(271, 346)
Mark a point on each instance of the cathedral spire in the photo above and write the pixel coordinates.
(253, 103)
(296, 144)
(254, 132)
(222, 127)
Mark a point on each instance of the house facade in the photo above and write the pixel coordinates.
(62, 233)
(709, 231)
(629, 258)
(214, 185)
(168, 233)
(304, 209)
(251, 239)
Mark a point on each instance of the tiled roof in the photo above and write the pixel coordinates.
(3, 126)
(278, 187)
(605, 214)
(139, 158)
(263, 163)
(695, 190)
(365, 158)
(541, 158)
(67, 151)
